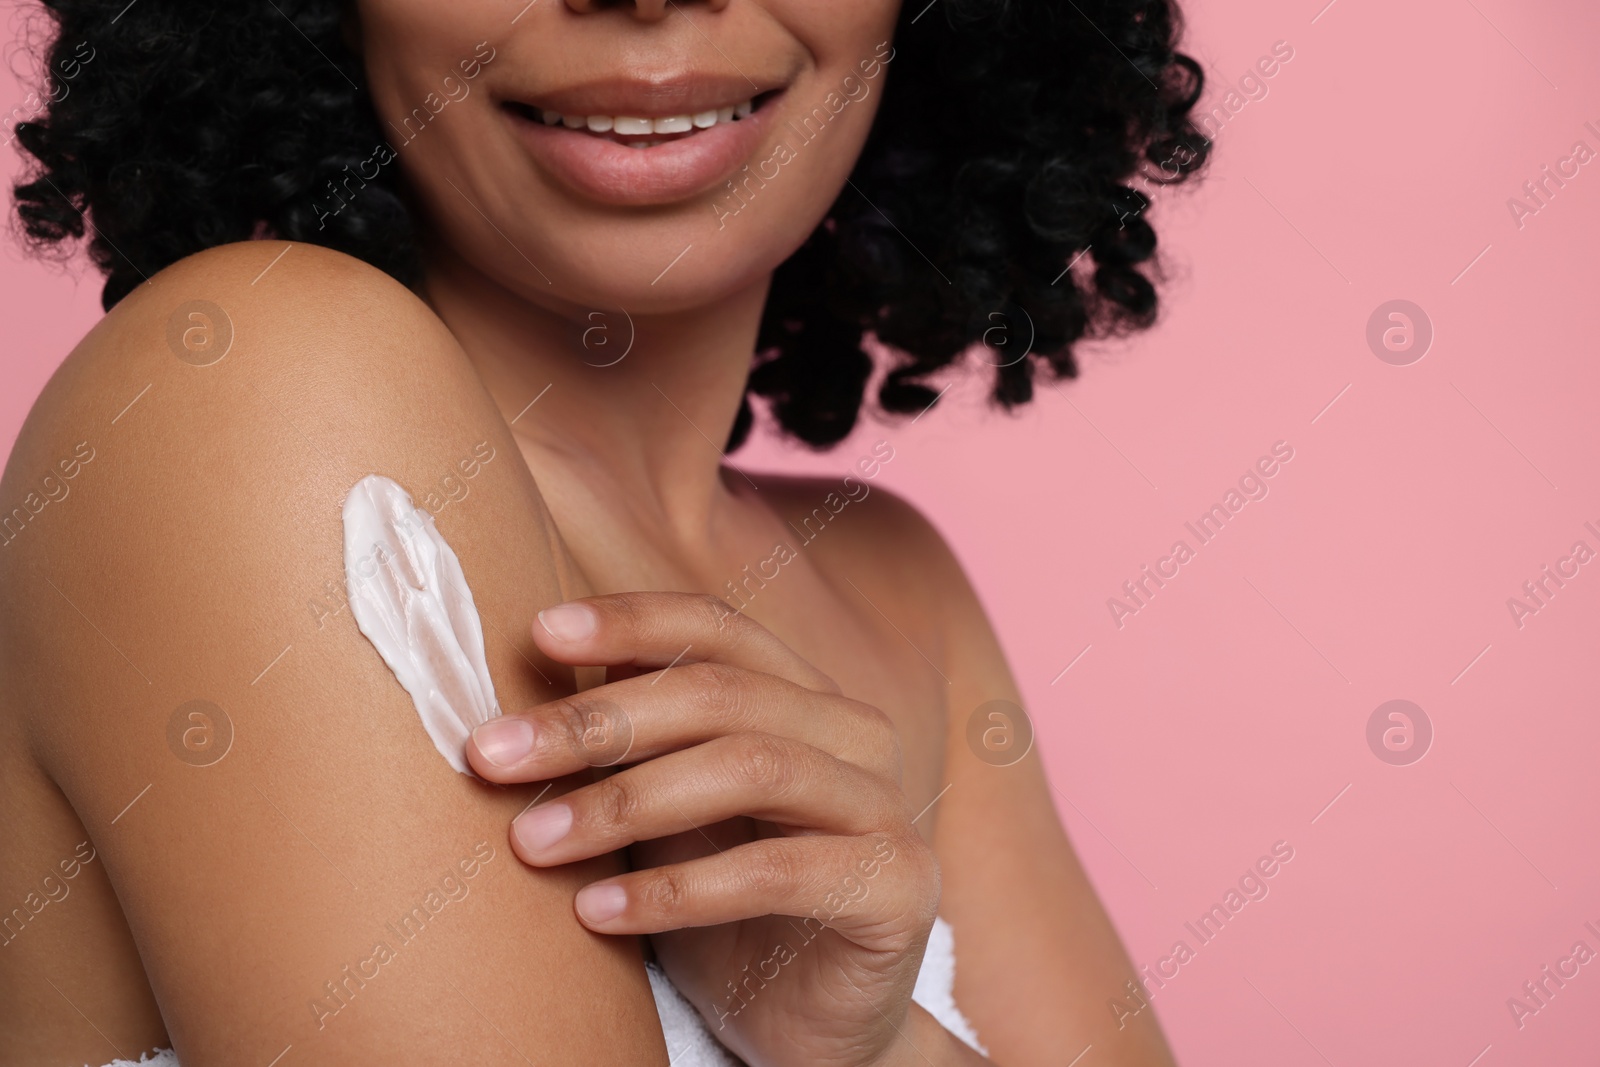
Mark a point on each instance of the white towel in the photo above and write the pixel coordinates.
(161, 1057)
(689, 1039)
(936, 985)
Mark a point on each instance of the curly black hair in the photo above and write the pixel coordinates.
(1010, 138)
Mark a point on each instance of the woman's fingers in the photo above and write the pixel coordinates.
(761, 776)
(655, 630)
(642, 718)
(878, 890)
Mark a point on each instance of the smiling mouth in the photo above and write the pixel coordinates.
(640, 131)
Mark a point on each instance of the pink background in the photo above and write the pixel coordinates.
(1229, 712)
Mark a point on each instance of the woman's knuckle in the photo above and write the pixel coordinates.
(887, 740)
(902, 849)
(615, 802)
(894, 759)
(568, 717)
(665, 890)
(926, 872)
(717, 688)
(771, 870)
(759, 761)
(873, 719)
(914, 876)
(893, 810)
(882, 744)
(712, 612)
(622, 610)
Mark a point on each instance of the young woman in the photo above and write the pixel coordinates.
(533, 261)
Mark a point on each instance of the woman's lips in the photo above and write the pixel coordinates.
(603, 166)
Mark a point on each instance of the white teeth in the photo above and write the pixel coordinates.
(633, 126)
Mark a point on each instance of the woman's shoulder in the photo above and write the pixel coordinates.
(237, 378)
(286, 309)
(195, 312)
(203, 436)
(858, 528)
(869, 523)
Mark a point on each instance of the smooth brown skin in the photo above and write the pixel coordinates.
(184, 563)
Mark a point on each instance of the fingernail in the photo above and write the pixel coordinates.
(601, 903)
(543, 826)
(504, 742)
(569, 622)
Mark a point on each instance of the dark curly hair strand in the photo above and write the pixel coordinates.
(1007, 138)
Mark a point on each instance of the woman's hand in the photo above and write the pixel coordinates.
(776, 865)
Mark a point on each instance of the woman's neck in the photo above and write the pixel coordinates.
(646, 428)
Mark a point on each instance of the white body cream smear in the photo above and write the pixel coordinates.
(410, 598)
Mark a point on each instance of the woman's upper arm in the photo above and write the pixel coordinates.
(329, 885)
